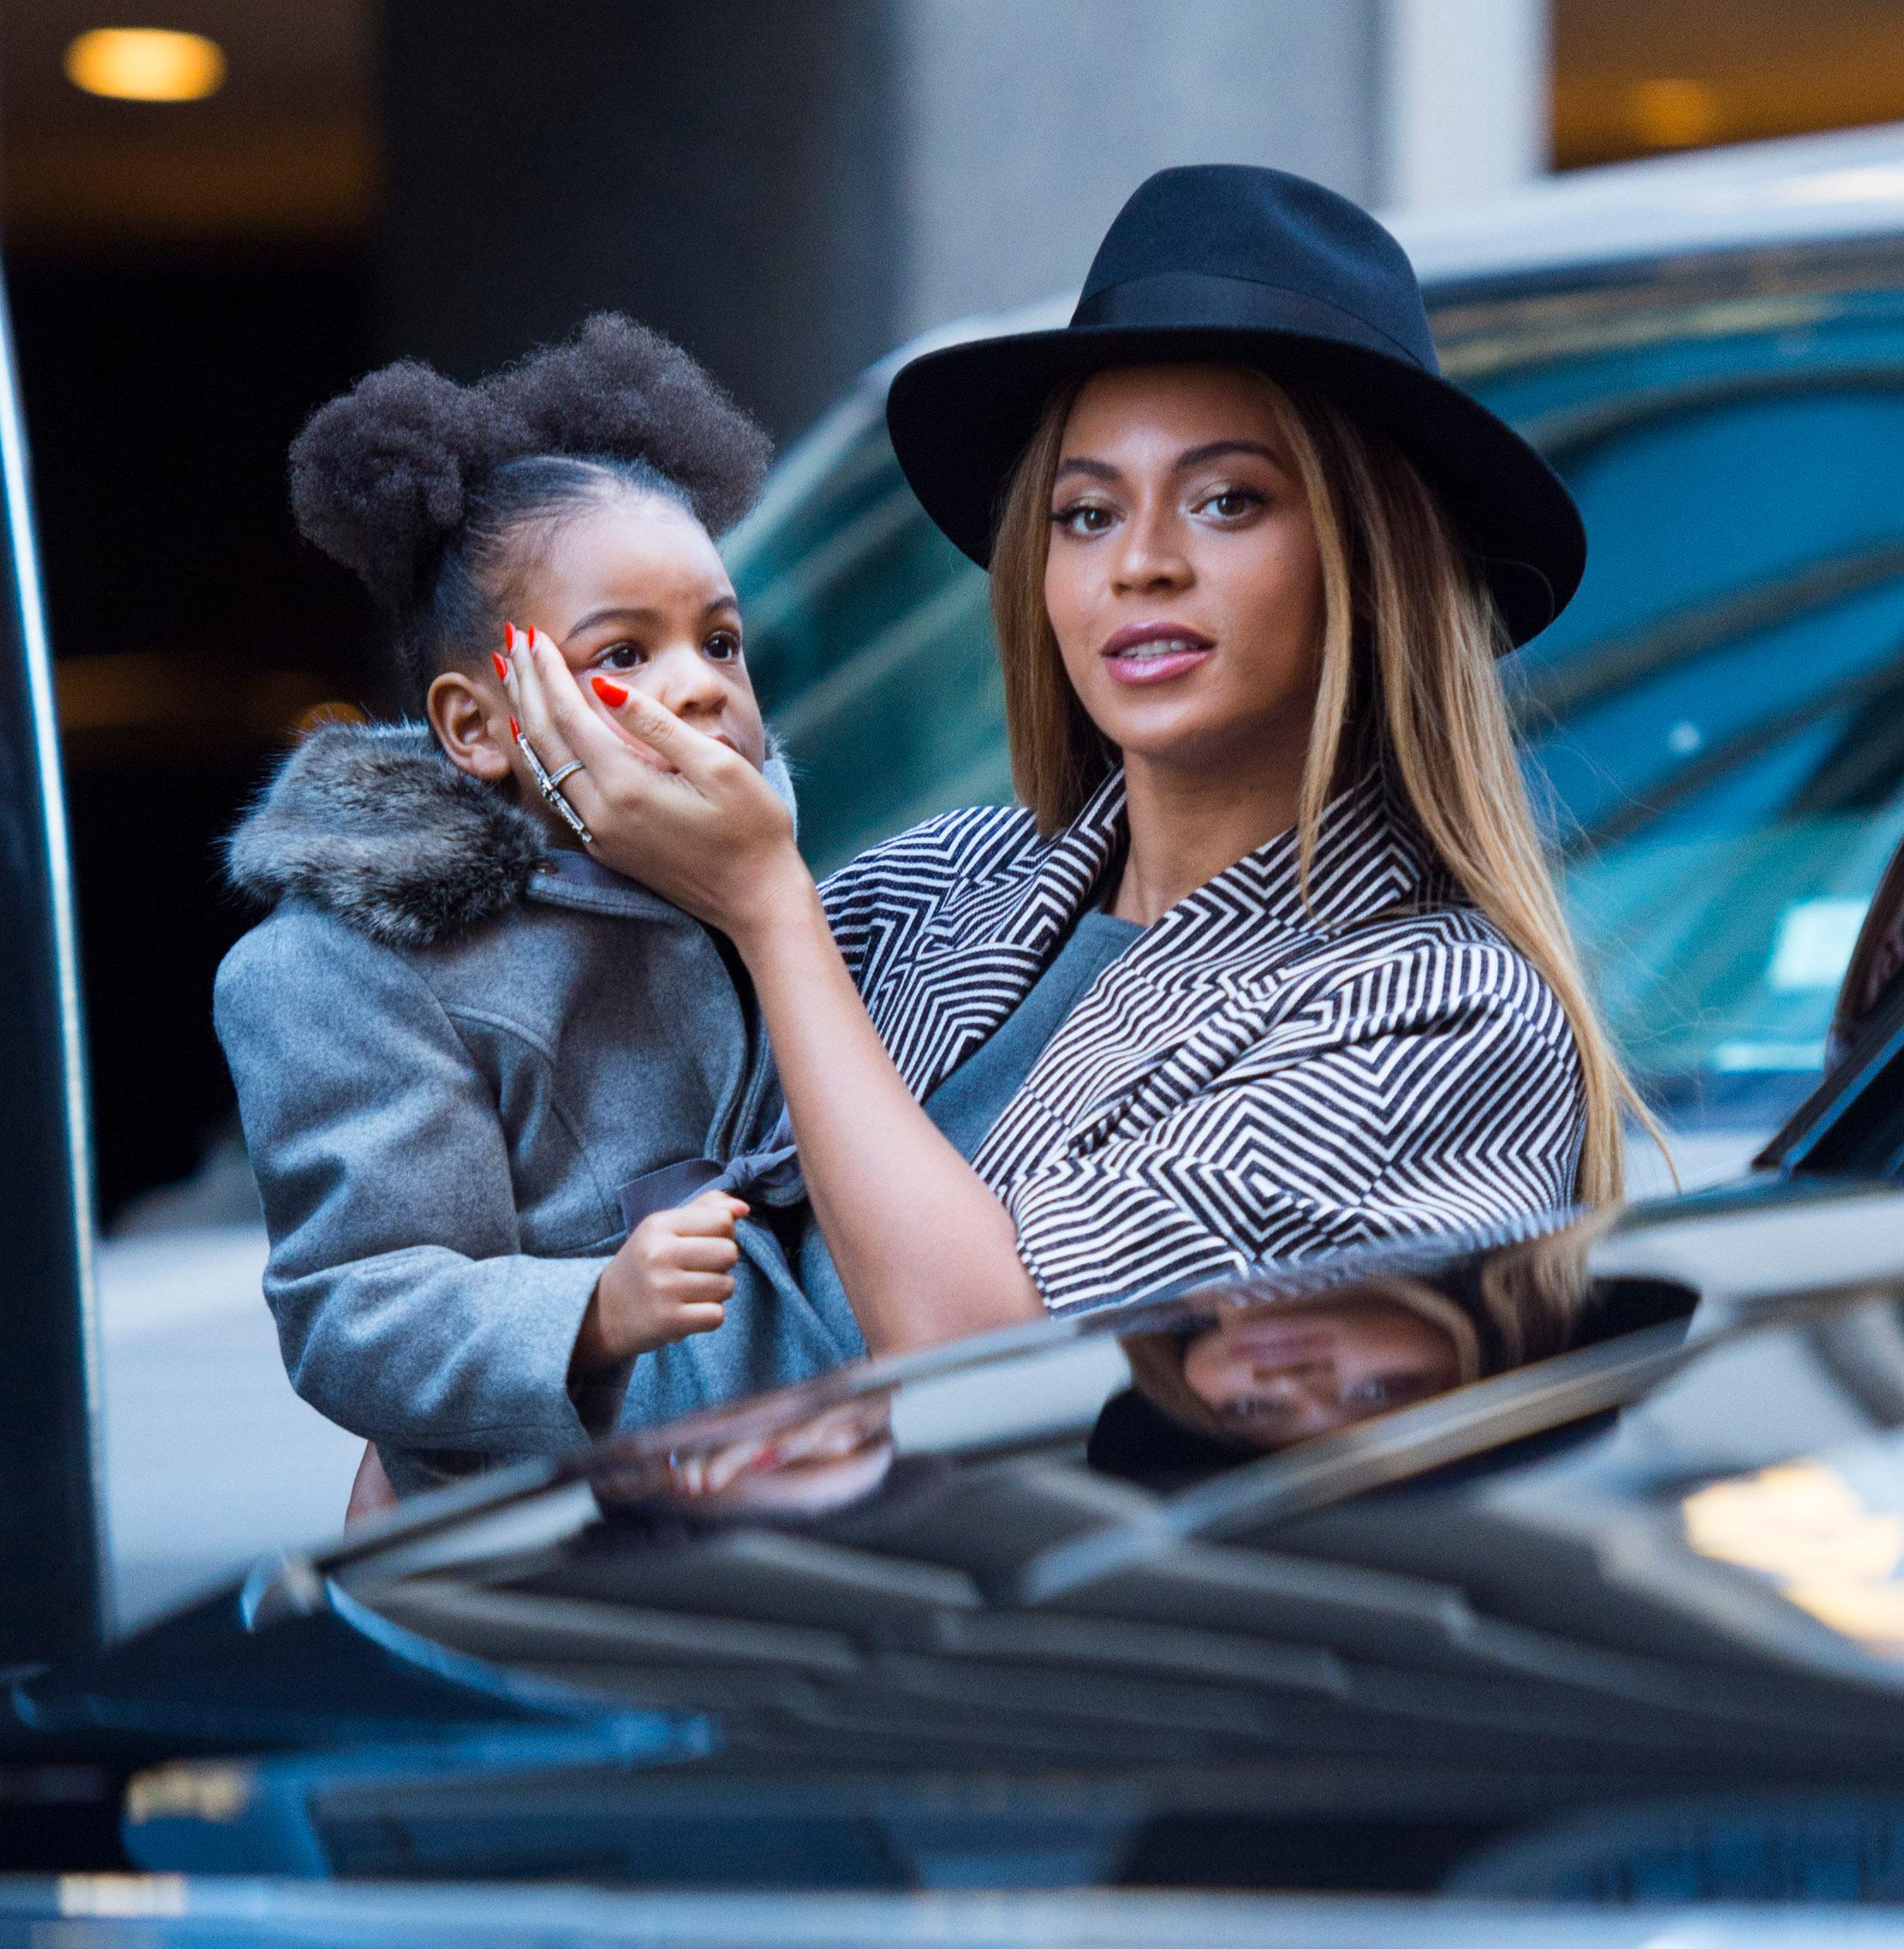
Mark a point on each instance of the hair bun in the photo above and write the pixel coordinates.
(382, 475)
(617, 391)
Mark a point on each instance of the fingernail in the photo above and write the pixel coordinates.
(508, 637)
(515, 729)
(502, 668)
(613, 695)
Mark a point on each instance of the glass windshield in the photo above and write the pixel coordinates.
(1712, 730)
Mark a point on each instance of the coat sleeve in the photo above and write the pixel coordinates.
(406, 1309)
(1429, 1094)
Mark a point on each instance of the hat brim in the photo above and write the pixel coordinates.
(960, 417)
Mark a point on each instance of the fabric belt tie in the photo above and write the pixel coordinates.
(767, 1175)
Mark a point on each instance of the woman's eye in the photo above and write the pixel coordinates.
(622, 657)
(723, 646)
(1231, 503)
(1083, 517)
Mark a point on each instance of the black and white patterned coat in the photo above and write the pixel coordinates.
(1255, 1078)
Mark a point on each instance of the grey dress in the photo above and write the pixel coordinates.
(970, 1101)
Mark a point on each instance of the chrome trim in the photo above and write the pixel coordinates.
(37, 663)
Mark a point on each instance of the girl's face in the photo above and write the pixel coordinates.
(1278, 1375)
(1183, 583)
(634, 592)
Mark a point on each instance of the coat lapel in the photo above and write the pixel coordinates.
(1190, 997)
(980, 954)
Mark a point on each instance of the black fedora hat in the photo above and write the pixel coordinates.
(1254, 267)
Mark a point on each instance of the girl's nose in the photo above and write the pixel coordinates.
(687, 682)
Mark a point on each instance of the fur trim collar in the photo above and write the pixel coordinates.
(372, 822)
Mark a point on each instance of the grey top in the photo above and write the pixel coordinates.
(966, 1104)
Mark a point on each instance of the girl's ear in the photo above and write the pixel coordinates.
(473, 729)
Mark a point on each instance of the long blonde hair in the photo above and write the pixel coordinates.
(1407, 682)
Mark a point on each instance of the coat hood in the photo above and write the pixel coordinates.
(372, 823)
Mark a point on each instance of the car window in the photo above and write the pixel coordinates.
(1712, 730)
(870, 640)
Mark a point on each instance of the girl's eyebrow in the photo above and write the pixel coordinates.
(1190, 457)
(616, 612)
(637, 612)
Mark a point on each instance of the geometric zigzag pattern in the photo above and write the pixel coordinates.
(1257, 1078)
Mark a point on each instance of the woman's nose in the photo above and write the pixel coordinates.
(1151, 554)
(1305, 1393)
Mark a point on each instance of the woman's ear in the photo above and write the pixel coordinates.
(469, 726)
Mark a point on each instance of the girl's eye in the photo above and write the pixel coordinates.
(723, 646)
(1231, 503)
(1083, 517)
(622, 657)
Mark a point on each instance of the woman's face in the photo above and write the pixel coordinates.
(1277, 1375)
(635, 592)
(1184, 581)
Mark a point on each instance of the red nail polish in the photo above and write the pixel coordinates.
(613, 695)
(515, 729)
(508, 637)
(502, 668)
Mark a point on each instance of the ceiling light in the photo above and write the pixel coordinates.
(145, 64)
(1674, 114)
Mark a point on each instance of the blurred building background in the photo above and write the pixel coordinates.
(790, 186)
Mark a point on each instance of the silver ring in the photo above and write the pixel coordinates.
(548, 789)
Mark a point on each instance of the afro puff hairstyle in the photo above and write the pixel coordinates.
(419, 485)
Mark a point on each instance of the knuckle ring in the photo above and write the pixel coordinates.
(551, 788)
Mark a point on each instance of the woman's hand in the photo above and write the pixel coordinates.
(679, 812)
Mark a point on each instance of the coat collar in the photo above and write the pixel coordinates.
(1367, 860)
(568, 879)
(991, 939)
(372, 823)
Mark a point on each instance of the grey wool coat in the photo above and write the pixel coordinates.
(454, 1047)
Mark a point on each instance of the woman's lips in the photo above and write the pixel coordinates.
(1278, 1343)
(1153, 653)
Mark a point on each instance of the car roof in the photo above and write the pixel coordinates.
(1813, 189)
(1809, 190)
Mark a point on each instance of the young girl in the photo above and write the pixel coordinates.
(466, 1055)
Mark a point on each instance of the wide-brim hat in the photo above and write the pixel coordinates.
(1250, 266)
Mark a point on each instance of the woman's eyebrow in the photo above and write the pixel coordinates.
(1190, 457)
(1216, 450)
(1098, 470)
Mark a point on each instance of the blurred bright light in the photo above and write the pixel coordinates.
(1674, 114)
(145, 64)
(1804, 1525)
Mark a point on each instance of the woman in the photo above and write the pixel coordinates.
(1269, 962)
